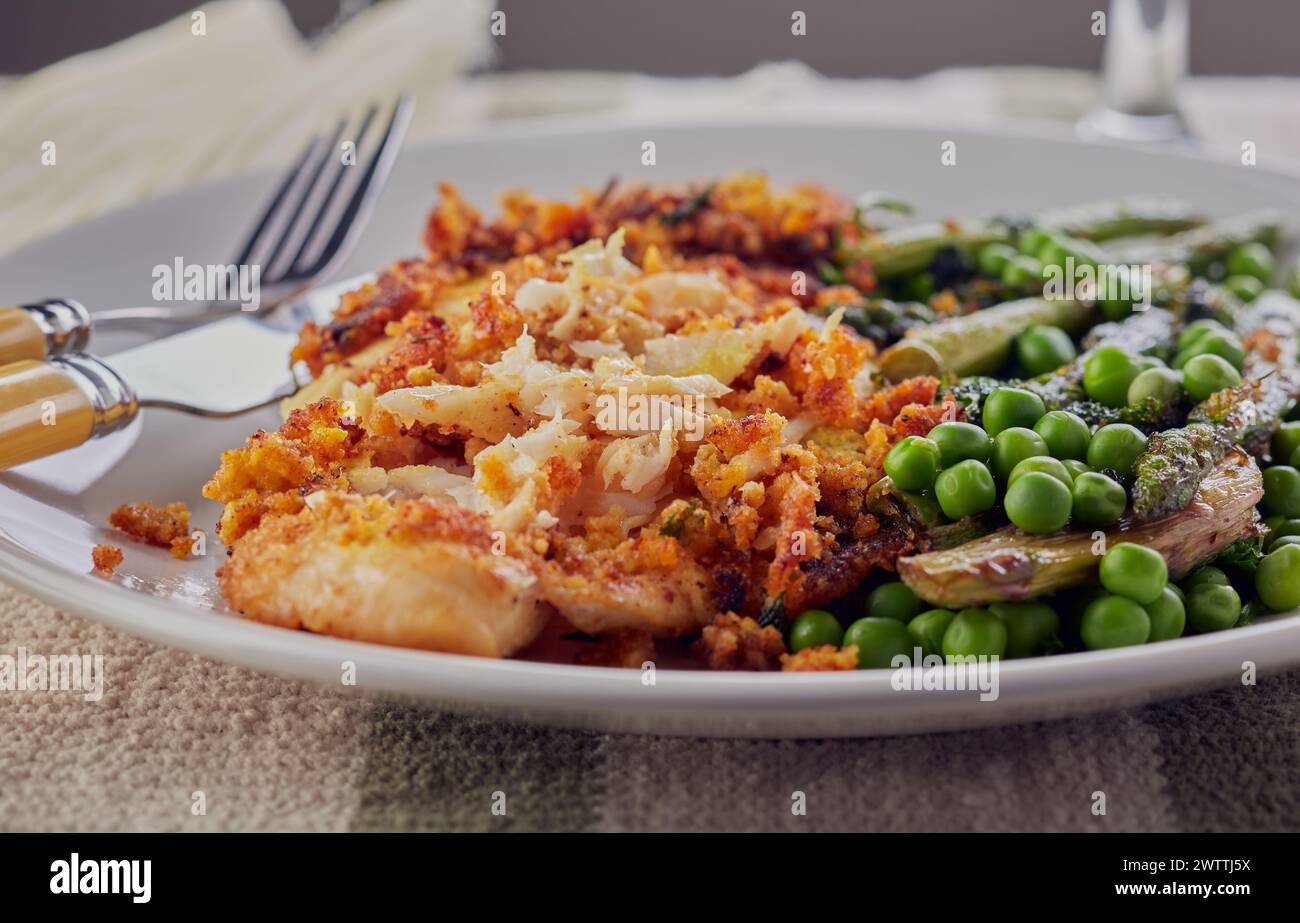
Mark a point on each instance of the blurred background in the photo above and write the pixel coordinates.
(137, 98)
(846, 38)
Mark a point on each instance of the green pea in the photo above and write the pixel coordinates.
(1226, 345)
(1012, 446)
(993, 257)
(1114, 621)
(1116, 309)
(1096, 500)
(1211, 607)
(1177, 591)
(1008, 407)
(1031, 240)
(913, 463)
(1282, 491)
(1277, 579)
(1041, 349)
(1044, 463)
(965, 489)
(1107, 375)
(1165, 385)
(1058, 248)
(928, 628)
(1116, 447)
(1247, 288)
(1066, 434)
(1075, 467)
(893, 600)
(1038, 503)
(1197, 329)
(1285, 442)
(960, 441)
(1167, 615)
(1253, 259)
(1145, 362)
(1208, 374)
(1205, 574)
(1022, 272)
(1033, 628)
(878, 642)
(975, 633)
(1280, 527)
(1134, 571)
(813, 628)
(1283, 542)
(1071, 605)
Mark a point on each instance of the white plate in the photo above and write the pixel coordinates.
(52, 513)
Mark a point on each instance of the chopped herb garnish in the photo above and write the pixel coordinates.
(690, 207)
(774, 614)
(675, 523)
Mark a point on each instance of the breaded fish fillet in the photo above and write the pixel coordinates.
(413, 574)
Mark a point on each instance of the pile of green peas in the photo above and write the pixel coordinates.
(1050, 467)
(1209, 359)
(1135, 604)
(1250, 267)
(1024, 265)
(897, 622)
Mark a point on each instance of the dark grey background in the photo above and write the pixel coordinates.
(845, 37)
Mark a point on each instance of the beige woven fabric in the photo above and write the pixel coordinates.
(175, 732)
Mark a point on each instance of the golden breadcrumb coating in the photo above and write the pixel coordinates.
(106, 558)
(733, 642)
(166, 527)
(471, 388)
(821, 659)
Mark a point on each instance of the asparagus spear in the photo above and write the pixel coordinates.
(903, 251)
(1122, 218)
(1201, 246)
(1009, 564)
(1167, 474)
(977, 343)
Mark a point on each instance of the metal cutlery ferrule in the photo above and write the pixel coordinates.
(53, 327)
(112, 400)
(58, 404)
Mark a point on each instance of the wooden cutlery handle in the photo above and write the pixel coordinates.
(20, 336)
(47, 328)
(49, 407)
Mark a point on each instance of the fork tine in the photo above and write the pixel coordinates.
(291, 177)
(295, 211)
(367, 192)
(340, 171)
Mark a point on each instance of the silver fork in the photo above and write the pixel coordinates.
(294, 244)
(46, 378)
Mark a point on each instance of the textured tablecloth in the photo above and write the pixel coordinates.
(270, 754)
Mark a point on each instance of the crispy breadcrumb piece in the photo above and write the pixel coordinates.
(733, 642)
(166, 527)
(820, 659)
(627, 649)
(886, 404)
(106, 558)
